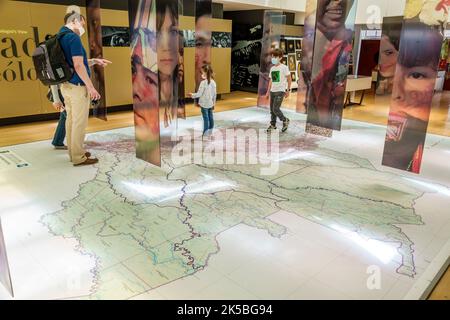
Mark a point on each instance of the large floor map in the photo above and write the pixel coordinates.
(331, 223)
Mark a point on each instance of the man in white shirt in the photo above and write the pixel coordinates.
(279, 88)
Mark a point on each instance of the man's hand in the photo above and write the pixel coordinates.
(58, 106)
(267, 96)
(101, 62)
(287, 94)
(93, 94)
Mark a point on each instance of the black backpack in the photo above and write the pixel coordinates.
(50, 62)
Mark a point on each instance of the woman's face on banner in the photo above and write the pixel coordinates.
(388, 57)
(168, 45)
(145, 89)
(331, 14)
(413, 91)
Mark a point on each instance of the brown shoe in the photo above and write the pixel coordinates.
(88, 154)
(87, 162)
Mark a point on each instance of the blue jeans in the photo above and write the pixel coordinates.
(208, 120)
(60, 133)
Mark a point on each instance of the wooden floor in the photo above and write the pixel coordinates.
(374, 110)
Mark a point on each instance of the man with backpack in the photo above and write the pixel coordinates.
(79, 91)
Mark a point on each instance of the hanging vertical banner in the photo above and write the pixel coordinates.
(304, 81)
(389, 48)
(93, 16)
(181, 85)
(274, 22)
(5, 275)
(335, 21)
(203, 37)
(168, 53)
(145, 82)
(414, 81)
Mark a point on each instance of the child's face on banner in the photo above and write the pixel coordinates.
(413, 91)
(145, 88)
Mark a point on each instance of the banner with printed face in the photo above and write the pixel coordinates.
(94, 27)
(304, 81)
(414, 81)
(335, 22)
(5, 276)
(168, 53)
(203, 37)
(145, 79)
(389, 48)
(273, 29)
(181, 88)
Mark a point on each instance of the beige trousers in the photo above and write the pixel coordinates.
(77, 102)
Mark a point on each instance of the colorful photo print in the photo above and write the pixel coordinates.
(145, 79)
(389, 49)
(290, 46)
(273, 20)
(95, 37)
(221, 39)
(414, 81)
(115, 36)
(189, 38)
(292, 64)
(298, 44)
(5, 275)
(304, 81)
(283, 46)
(203, 37)
(181, 114)
(298, 55)
(330, 66)
(293, 76)
(168, 53)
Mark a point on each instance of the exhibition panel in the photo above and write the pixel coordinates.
(413, 84)
(304, 81)
(332, 56)
(145, 79)
(94, 24)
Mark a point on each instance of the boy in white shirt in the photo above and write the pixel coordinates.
(279, 88)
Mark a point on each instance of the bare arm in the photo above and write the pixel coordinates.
(100, 62)
(269, 88)
(80, 69)
(289, 80)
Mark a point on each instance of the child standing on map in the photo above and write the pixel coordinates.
(207, 95)
(279, 88)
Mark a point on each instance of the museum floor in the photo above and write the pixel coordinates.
(110, 232)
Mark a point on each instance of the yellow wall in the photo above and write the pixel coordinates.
(21, 98)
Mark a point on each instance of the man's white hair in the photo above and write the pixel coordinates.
(76, 13)
(73, 9)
